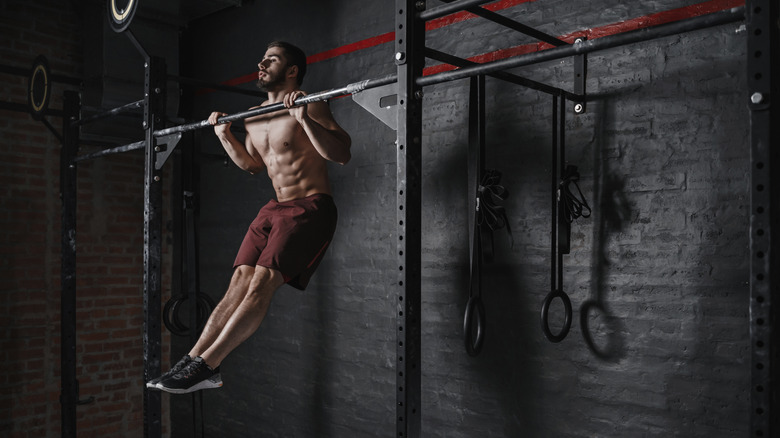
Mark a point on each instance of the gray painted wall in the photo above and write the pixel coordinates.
(664, 160)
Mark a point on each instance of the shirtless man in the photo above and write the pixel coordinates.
(287, 240)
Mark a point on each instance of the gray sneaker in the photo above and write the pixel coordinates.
(195, 376)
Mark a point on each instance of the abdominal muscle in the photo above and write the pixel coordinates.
(294, 166)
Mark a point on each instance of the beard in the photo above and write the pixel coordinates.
(269, 82)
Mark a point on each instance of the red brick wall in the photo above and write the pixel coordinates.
(109, 246)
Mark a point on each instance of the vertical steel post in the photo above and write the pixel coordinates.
(69, 396)
(154, 111)
(409, 45)
(763, 64)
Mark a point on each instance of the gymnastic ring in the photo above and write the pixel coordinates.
(120, 18)
(567, 320)
(204, 306)
(167, 316)
(474, 344)
(38, 88)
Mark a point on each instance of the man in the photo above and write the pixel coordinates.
(287, 240)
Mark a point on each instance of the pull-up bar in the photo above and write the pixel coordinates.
(353, 88)
(588, 46)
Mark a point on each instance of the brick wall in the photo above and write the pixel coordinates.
(109, 245)
(662, 263)
(664, 161)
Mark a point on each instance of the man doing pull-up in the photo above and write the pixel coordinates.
(287, 240)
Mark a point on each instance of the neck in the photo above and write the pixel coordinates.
(277, 94)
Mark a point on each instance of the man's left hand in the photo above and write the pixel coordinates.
(299, 112)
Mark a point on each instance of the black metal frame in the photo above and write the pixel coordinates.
(410, 52)
(763, 65)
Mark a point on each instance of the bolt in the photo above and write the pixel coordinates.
(579, 40)
(157, 90)
(156, 178)
(419, 94)
(400, 56)
(420, 5)
(578, 108)
(757, 98)
(157, 148)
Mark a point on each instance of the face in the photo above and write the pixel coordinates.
(272, 70)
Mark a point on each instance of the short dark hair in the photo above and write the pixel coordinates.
(294, 55)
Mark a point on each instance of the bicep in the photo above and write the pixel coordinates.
(320, 113)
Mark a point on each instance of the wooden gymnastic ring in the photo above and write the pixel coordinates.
(39, 88)
(120, 18)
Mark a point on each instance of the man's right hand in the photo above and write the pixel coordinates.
(219, 129)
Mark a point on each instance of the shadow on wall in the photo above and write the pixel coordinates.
(513, 358)
(601, 330)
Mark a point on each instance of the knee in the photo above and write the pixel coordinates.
(265, 280)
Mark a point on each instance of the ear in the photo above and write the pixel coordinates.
(292, 71)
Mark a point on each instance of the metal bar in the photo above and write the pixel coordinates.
(153, 112)
(144, 54)
(609, 42)
(580, 78)
(69, 396)
(314, 97)
(448, 9)
(763, 64)
(514, 25)
(119, 149)
(505, 76)
(109, 113)
(409, 44)
(554, 260)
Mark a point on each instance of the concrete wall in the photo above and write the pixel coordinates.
(663, 260)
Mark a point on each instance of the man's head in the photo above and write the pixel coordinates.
(294, 61)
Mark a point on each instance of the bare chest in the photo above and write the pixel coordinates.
(274, 135)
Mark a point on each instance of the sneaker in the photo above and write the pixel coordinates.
(175, 369)
(193, 377)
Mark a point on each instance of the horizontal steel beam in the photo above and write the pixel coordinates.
(441, 11)
(108, 113)
(505, 76)
(588, 46)
(514, 25)
(490, 68)
(119, 149)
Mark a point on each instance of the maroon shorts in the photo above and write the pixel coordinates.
(290, 237)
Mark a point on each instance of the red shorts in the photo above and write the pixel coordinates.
(290, 237)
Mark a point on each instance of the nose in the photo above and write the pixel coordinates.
(263, 64)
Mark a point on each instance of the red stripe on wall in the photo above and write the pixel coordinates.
(386, 38)
(598, 32)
